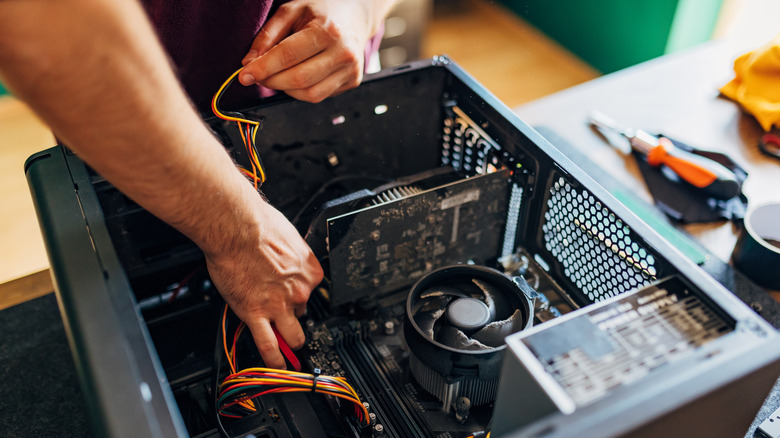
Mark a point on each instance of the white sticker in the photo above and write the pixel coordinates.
(460, 199)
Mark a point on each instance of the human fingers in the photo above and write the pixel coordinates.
(290, 330)
(300, 310)
(266, 342)
(294, 50)
(339, 61)
(333, 84)
(279, 26)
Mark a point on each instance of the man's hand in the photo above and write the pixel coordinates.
(266, 279)
(313, 49)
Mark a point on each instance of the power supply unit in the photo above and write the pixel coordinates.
(656, 351)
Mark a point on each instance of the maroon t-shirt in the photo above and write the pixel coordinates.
(207, 39)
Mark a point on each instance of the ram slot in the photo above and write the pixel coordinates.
(391, 404)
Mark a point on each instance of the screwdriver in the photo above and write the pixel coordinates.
(711, 177)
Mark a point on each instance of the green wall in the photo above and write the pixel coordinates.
(614, 34)
(3, 90)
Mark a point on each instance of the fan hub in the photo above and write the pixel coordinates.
(468, 314)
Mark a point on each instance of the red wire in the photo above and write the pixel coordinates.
(320, 385)
(249, 397)
(250, 148)
(235, 338)
(229, 416)
(286, 350)
(181, 284)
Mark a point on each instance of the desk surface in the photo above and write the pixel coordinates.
(677, 95)
(21, 135)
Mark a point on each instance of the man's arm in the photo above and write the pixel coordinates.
(313, 49)
(95, 73)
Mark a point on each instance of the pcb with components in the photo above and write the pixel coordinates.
(386, 246)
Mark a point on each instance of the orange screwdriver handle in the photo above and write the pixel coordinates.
(710, 176)
(688, 170)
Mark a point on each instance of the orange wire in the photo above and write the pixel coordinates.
(248, 138)
(246, 404)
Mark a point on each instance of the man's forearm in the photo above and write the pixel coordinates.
(95, 73)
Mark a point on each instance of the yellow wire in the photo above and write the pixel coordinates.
(267, 381)
(224, 338)
(241, 131)
(255, 157)
(254, 134)
(346, 392)
(219, 92)
(341, 396)
(347, 388)
(246, 404)
(239, 120)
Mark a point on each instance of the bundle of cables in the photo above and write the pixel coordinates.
(235, 394)
(238, 389)
(247, 128)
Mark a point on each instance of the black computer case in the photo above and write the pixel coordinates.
(418, 176)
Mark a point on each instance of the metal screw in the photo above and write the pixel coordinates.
(333, 159)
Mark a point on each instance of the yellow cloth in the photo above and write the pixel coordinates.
(757, 83)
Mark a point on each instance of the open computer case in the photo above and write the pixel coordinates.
(430, 205)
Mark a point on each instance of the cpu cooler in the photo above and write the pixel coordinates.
(456, 320)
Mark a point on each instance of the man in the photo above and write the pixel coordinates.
(94, 71)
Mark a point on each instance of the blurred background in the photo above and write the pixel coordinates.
(520, 50)
(525, 49)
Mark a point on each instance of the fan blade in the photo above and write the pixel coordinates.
(431, 303)
(491, 296)
(436, 297)
(452, 337)
(426, 320)
(494, 333)
(442, 290)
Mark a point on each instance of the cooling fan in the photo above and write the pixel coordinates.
(456, 320)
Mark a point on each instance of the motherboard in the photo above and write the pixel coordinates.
(411, 385)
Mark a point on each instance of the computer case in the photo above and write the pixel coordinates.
(419, 178)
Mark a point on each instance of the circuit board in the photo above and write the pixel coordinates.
(371, 353)
(380, 248)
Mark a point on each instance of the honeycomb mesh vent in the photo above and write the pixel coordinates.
(594, 247)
